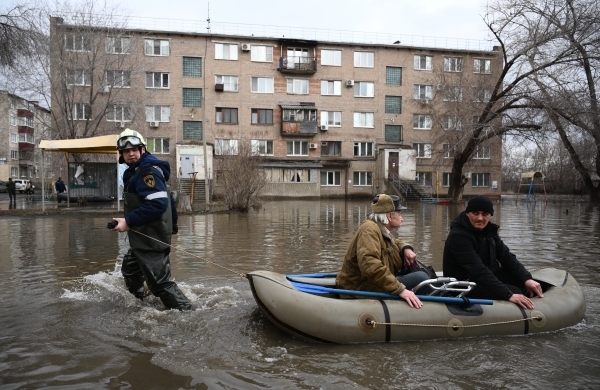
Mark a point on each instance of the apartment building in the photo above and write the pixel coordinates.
(330, 118)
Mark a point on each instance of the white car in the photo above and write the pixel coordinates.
(21, 185)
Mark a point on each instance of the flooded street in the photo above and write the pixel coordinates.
(68, 322)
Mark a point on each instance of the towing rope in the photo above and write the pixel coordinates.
(375, 323)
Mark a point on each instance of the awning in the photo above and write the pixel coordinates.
(298, 107)
(106, 144)
(292, 164)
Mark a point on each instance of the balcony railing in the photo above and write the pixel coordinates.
(298, 64)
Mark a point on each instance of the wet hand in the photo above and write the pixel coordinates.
(411, 298)
(534, 288)
(121, 225)
(521, 300)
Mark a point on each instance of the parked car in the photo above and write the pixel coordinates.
(3, 187)
(21, 185)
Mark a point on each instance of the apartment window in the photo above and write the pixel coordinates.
(331, 87)
(393, 75)
(482, 153)
(157, 145)
(82, 111)
(13, 120)
(262, 116)
(14, 171)
(446, 179)
(297, 86)
(393, 104)
(331, 178)
(14, 155)
(192, 67)
(364, 149)
(118, 78)
(118, 113)
(262, 84)
(331, 57)
(331, 118)
(363, 119)
(451, 123)
(192, 131)
(260, 53)
(13, 138)
(393, 133)
(297, 148)
(118, 45)
(452, 64)
(299, 115)
(158, 113)
(423, 150)
(421, 91)
(482, 66)
(480, 179)
(157, 80)
(423, 62)
(363, 178)
(447, 151)
(75, 42)
(364, 89)
(230, 83)
(157, 47)
(226, 115)
(78, 77)
(453, 94)
(261, 147)
(24, 137)
(226, 51)
(364, 59)
(422, 122)
(12, 102)
(192, 97)
(331, 148)
(226, 147)
(482, 96)
(23, 121)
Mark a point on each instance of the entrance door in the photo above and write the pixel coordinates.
(187, 166)
(393, 165)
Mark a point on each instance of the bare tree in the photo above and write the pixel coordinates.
(18, 37)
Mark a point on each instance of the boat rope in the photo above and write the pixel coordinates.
(375, 323)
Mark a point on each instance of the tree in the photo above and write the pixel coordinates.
(18, 37)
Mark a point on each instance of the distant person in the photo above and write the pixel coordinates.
(28, 188)
(475, 252)
(60, 188)
(11, 187)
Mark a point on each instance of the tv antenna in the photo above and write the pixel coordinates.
(208, 18)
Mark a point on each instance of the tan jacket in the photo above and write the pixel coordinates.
(371, 259)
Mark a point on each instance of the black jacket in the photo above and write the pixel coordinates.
(475, 255)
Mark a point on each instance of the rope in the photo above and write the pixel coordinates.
(191, 254)
(375, 323)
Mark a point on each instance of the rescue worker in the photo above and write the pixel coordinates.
(149, 209)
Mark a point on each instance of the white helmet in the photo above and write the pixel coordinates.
(130, 139)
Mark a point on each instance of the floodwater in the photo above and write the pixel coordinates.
(68, 322)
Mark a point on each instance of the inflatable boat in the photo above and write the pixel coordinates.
(308, 306)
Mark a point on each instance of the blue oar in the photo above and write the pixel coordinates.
(311, 288)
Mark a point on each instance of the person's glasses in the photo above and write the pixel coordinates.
(131, 141)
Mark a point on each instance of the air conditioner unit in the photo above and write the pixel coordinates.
(323, 143)
(467, 175)
(154, 124)
(324, 127)
(312, 146)
(105, 89)
(120, 125)
(425, 101)
(245, 47)
(349, 83)
(439, 87)
(219, 87)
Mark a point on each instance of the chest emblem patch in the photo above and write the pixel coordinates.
(149, 180)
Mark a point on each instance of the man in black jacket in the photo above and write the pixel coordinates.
(475, 252)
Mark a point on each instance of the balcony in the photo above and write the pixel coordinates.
(298, 65)
(298, 119)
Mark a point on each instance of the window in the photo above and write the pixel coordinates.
(422, 122)
(364, 89)
(118, 78)
(28, 138)
(453, 94)
(331, 178)
(13, 138)
(75, 42)
(423, 150)
(118, 113)
(118, 45)
(157, 80)
(480, 179)
(363, 178)
(331, 148)
(331, 118)
(157, 145)
(423, 62)
(482, 153)
(23, 121)
(421, 91)
(331, 87)
(285, 175)
(448, 151)
(393, 75)
(451, 123)
(12, 102)
(424, 178)
(261, 53)
(192, 131)
(393, 104)
(364, 59)
(363, 119)
(261, 147)
(230, 83)
(297, 148)
(446, 179)
(158, 113)
(331, 57)
(297, 86)
(226, 115)
(13, 120)
(192, 97)
(482, 66)
(363, 149)
(226, 51)
(192, 67)
(227, 147)
(157, 47)
(299, 115)
(262, 84)
(82, 111)
(482, 96)
(78, 77)
(262, 116)
(393, 133)
(452, 64)
(14, 155)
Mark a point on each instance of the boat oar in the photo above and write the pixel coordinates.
(311, 288)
